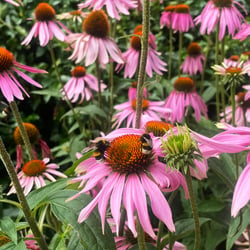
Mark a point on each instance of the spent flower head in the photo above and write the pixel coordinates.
(180, 148)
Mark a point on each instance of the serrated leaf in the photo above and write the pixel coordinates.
(236, 227)
(89, 231)
(8, 226)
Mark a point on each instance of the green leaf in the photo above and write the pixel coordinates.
(236, 228)
(89, 232)
(12, 246)
(71, 169)
(210, 206)
(187, 225)
(8, 227)
(48, 92)
(215, 234)
(42, 194)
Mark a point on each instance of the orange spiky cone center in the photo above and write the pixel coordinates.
(194, 49)
(96, 24)
(135, 41)
(234, 70)
(44, 12)
(145, 104)
(124, 155)
(223, 3)
(78, 72)
(170, 8)
(6, 59)
(181, 8)
(34, 168)
(32, 132)
(158, 128)
(184, 84)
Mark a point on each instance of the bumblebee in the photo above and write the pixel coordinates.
(146, 144)
(100, 147)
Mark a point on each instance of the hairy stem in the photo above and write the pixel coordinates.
(22, 130)
(143, 60)
(194, 209)
(140, 236)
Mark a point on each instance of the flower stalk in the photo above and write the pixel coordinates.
(170, 53)
(180, 52)
(21, 197)
(140, 236)
(143, 59)
(22, 129)
(194, 208)
(217, 77)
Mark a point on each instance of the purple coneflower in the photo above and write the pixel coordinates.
(80, 85)
(45, 26)
(224, 12)
(9, 85)
(181, 18)
(132, 55)
(194, 60)
(94, 44)
(242, 111)
(17, 3)
(241, 194)
(128, 175)
(31, 244)
(243, 33)
(35, 139)
(166, 16)
(75, 15)
(127, 110)
(132, 91)
(182, 97)
(237, 69)
(113, 6)
(33, 173)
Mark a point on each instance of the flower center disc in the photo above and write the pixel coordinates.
(75, 13)
(125, 155)
(234, 58)
(234, 70)
(96, 24)
(135, 41)
(44, 12)
(181, 8)
(32, 132)
(34, 167)
(145, 104)
(158, 128)
(6, 59)
(194, 49)
(170, 8)
(223, 3)
(184, 84)
(78, 72)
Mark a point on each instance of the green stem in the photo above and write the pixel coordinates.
(22, 130)
(98, 74)
(194, 209)
(140, 236)
(223, 105)
(233, 102)
(53, 59)
(21, 197)
(217, 77)
(180, 52)
(143, 60)
(204, 65)
(170, 53)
